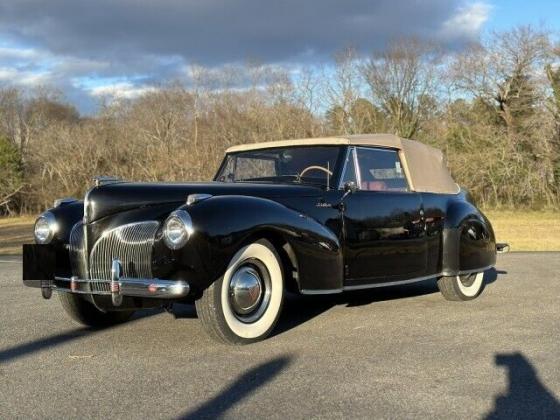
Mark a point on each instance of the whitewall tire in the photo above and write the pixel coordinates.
(464, 287)
(244, 305)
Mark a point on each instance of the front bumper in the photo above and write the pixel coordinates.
(38, 271)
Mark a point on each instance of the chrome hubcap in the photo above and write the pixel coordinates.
(245, 290)
(249, 291)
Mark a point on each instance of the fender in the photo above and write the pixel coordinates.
(66, 215)
(224, 224)
(469, 243)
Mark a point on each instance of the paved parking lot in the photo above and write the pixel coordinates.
(386, 353)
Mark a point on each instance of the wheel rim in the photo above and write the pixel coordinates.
(249, 291)
(468, 280)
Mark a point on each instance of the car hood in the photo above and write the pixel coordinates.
(117, 197)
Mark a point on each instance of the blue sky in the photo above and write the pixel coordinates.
(102, 49)
(505, 14)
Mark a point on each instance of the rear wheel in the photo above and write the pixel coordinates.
(84, 312)
(244, 305)
(465, 287)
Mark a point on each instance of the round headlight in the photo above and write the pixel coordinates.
(45, 228)
(177, 229)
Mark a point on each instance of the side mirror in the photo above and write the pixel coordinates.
(350, 187)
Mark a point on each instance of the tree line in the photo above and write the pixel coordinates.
(493, 107)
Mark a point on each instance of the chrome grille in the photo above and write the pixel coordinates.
(131, 244)
(77, 250)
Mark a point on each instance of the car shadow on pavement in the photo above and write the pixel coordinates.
(491, 275)
(526, 397)
(243, 386)
(184, 311)
(299, 309)
(47, 343)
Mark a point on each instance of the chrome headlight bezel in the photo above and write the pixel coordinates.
(177, 229)
(45, 229)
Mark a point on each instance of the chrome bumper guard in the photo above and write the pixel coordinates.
(118, 286)
(502, 248)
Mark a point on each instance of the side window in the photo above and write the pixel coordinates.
(381, 170)
(349, 174)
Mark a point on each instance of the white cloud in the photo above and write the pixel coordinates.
(121, 90)
(11, 53)
(467, 22)
(79, 47)
(14, 76)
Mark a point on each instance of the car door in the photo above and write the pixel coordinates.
(384, 234)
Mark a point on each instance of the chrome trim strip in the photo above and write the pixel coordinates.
(357, 169)
(391, 283)
(320, 292)
(78, 292)
(388, 283)
(343, 172)
(77, 280)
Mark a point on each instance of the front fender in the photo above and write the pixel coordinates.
(468, 240)
(223, 224)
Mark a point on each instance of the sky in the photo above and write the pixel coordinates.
(123, 48)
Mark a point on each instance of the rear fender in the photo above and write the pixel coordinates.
(469, 243)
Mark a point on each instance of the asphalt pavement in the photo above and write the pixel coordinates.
(399, 352)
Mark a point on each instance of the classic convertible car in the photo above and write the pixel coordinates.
(312, 216)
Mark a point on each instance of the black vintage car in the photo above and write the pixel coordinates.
(312, 216)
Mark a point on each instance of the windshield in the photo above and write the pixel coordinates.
(310, 165)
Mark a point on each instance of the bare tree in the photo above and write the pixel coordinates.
(503, 72)
(499, 126)
(341, 91)
(401, 79)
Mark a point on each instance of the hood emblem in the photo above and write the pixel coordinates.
(105, 180)
(195, 198)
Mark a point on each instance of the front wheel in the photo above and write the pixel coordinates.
(85, 313)
(465, 287)
(244, 305)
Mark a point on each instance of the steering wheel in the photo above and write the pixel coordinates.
(314, 168)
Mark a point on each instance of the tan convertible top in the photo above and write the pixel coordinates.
(425, 166)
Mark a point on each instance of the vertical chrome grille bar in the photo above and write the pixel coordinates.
(131, 244)
(77, 251)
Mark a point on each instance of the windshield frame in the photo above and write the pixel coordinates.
(334, 180)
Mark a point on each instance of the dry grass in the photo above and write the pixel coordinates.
(15, 231)
(524, 231)
(527, 230)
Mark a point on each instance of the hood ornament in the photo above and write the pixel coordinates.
(105, 180)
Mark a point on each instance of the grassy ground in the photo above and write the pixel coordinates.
(15, 231)
(527, 230)
(524, 231)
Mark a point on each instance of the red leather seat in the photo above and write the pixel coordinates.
(374, 186)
